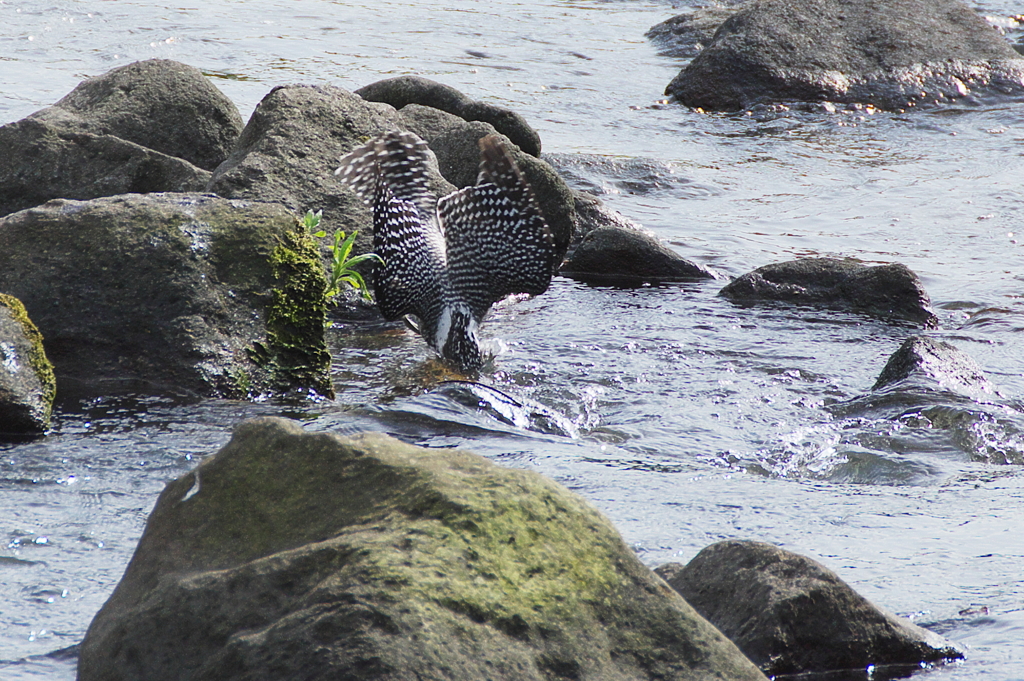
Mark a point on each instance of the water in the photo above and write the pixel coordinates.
(683, 417)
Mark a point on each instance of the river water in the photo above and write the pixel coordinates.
(684, 418)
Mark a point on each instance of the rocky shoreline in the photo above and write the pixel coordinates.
(162, 254)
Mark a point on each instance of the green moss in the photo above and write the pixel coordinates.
(296, 350)
(37, 359)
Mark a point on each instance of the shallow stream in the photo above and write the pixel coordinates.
(683, 417)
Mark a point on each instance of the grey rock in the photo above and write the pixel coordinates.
(685, 35)
(791, 615)
(295, 555)
(160, 104)
(169, 294)
(592, 213)
(936, 362)
(290, 147)
(614, 253)
(887, 54)
(404, 90)
(887, 291)
(27, 385)
(458, 157)
(44, 161)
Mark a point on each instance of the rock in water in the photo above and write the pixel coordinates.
(888, 54)
(447, 260)
(27, 386)
(292, 555)
(891, 292)
(790, 614)
(152, 126)
(176, 294)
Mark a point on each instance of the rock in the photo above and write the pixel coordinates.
(887, 291)
(615, 253)
(592, 213)
(45, 161)
(791, 615)
(922, 358)
(27, 386)
(160, 104)
(458, 157)
(404, 90)
(170, 294)
(291, 146)
(293, 555)
(890, 55)
(685, 35)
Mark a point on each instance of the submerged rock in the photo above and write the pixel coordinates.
(170, 294)
(27, 386)
(791, 615)
(886, 291)
(685, 35)
(933, 385)
(936, 362)
(151, 126)
(618, 254)
(405, 90)
(292, 555)
(890, 55)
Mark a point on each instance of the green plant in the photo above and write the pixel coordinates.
(342, 266)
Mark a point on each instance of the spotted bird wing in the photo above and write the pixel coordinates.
(390, 173)
(497, 240)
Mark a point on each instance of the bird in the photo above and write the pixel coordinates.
(446, 260)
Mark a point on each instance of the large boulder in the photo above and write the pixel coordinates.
(27, 385)
(290, 147)
(629, 255)
(150, 126)
(791, 615)
(888, 291)
(170, 293)
(887, 54)
(405, 90)
(292, 555)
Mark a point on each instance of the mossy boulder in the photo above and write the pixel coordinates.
(792, 615)
(152, 126)
(892, 292)
(27, 385)
(292, 555)
(170, 294)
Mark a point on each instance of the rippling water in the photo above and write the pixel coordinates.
(683, 417)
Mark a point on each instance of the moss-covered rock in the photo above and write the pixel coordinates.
(169, 294)
(27, 385)
(312, 556)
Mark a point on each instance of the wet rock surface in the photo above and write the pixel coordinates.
(151, 126)
(890, 55)
(891, 292)
(297, 555)
(930, 385)
(405, 90)
(166, 293)
(629, 255)
(27, 385)
(790, 614)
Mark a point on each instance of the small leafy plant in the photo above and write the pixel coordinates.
(342, 265)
